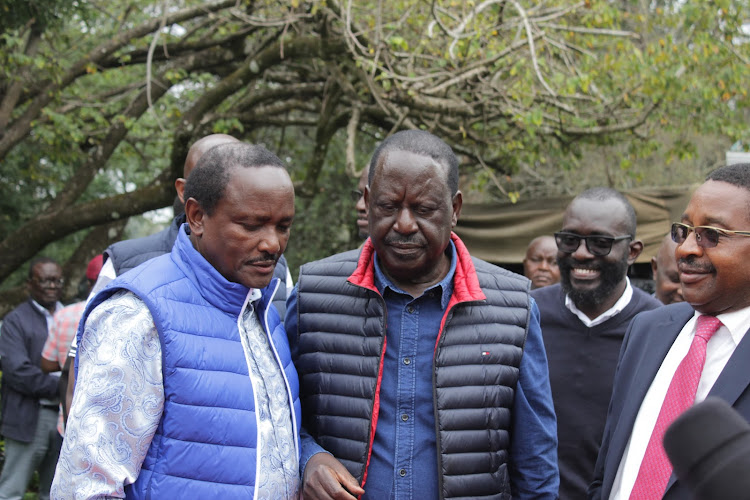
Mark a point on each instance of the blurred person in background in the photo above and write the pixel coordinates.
(29, 396)
(666, 276)
(540, 263)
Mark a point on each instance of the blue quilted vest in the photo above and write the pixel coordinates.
(205, 444)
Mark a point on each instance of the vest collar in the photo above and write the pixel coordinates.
(216, 289)
(465, 282)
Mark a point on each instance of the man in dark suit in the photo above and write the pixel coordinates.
(28, 395)
(659, 350)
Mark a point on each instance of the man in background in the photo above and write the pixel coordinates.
(540, 263)
(666, 275)
(584, 319)
(29, 396)
(358, 196)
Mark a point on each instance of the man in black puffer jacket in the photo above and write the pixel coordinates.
(422, 369)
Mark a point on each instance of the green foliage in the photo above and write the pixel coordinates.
(15, 14)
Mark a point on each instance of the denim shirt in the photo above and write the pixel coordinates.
(404, 457)
(403, 464)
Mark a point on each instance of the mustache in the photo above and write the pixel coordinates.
(690, 264)
(265, 257)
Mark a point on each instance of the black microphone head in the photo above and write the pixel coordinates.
(709, 447)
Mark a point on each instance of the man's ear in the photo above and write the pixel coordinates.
(179, 186)
(194, 214)
(636, 247)
(457, 202)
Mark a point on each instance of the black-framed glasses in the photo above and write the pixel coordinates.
(598, 245)
(50, 282)
(356, 194)
(705, 236)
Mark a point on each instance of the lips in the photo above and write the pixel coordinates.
(581, 273)
(264, 266)
(689, 276)
(405, 249)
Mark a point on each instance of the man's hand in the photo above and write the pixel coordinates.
(326, 478)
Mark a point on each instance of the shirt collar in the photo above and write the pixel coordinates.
(446, 284)
(254, 295)
(735, 321)
(44, 310)
(613, 311)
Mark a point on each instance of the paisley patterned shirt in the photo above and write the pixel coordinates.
(119, 398)
(278, 474)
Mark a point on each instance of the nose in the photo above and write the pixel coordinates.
(405, 222)
(688, 247)
(270, 242)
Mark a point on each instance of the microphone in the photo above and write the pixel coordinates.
(709, 447)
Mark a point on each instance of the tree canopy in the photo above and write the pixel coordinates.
(99, 101)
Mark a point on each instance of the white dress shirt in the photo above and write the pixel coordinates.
(718, 351)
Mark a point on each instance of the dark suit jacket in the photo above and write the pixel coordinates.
(22, 338)
(646, 343)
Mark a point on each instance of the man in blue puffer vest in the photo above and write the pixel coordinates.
(422, 369)
(185, 384)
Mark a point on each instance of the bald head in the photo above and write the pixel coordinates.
(202, 145)
(664, 269)
(198, 149)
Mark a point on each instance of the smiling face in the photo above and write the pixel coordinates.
(594, 283)
(716, 280)
(45, 284)
(249, 227)
(411, 214)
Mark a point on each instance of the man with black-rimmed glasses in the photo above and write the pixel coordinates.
(29, 396)
(584, 319)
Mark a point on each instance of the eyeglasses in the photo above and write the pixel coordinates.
(705, 236)
(50, 282)
(356, 194)
(595, 244)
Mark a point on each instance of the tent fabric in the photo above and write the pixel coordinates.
(500, 232)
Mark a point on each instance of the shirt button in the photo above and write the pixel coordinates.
(410, 309)
(402, 472)
(404, 417)
(407, 361)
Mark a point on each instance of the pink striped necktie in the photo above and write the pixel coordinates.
(655, 469)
